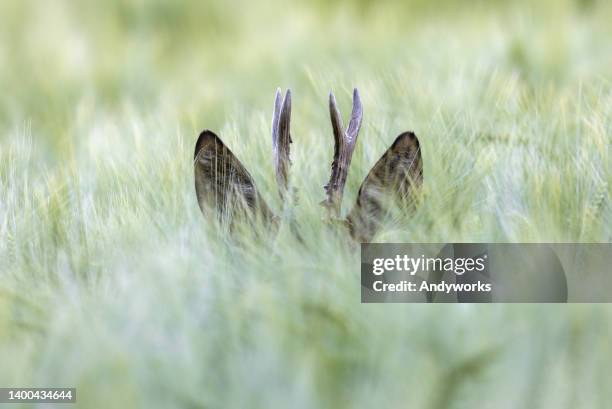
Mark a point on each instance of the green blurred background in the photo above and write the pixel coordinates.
(111, 280)
(202, 58)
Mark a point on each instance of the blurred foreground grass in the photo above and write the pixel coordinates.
(111, 281)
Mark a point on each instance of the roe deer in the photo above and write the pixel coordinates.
(224, 186)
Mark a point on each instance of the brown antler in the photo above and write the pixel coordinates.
(344, 145)
(281, 139)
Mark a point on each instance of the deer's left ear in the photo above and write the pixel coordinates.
(222, 183)
(397, 175)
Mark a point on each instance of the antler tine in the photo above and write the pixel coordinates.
(281, 138)
(356, 117)
(344, 145)
(338, 129)
(336, 120)
(276, 117)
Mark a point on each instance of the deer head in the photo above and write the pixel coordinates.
(225, 187)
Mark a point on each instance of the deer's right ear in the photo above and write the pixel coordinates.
(397, 175)
(222, 183)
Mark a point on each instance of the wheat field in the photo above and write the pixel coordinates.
(112, 281)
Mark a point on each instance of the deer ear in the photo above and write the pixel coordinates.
(223, 183)
(398, 175)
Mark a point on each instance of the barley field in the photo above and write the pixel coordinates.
(113, 282)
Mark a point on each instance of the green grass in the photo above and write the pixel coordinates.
(111, 280)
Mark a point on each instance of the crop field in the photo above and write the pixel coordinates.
(113, 282)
